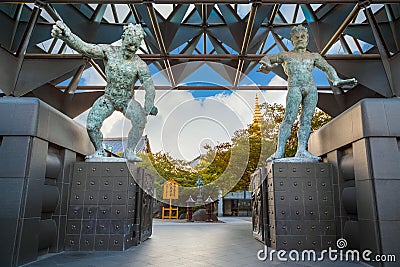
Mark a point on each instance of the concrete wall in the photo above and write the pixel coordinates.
(38, 144)
(363, 145)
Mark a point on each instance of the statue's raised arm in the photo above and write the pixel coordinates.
(268, 62)
(323, 65)
(61, 31)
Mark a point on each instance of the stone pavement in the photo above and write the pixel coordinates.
(184, 244)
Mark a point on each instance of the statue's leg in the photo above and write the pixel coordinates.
(102, 108)
(309, 104)
(135, 113)
(293, 100)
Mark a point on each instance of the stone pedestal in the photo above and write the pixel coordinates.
(296, 206)
(110, 206)
(363, 145)
(38, 144)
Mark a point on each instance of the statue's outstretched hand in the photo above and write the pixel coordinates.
(60, 30)
(347, 83)
(266, 67)
(153, 111)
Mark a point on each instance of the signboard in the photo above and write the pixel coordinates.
(170, 190)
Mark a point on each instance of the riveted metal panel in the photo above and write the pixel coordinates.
(105, 197)
(108, 201)
(106, 183)
(120, 183)
(87, 242)
(93, 183)
(119, 197)
(74, 227)
(118, 211)
(104, 212)
(88, 227)
(72, 242)
(77, 197)
(90, 212)
(116, 242)
(300, 207)
(103, 227)
(75, 212)
(101, 242)
(91, 197)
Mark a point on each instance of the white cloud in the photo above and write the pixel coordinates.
(92, 77)
(277, 81)
(185, 124)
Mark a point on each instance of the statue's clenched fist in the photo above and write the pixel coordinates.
(60, 30)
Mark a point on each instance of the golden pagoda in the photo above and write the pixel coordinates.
(257, 116)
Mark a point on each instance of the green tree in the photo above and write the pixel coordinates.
(230, 165)
(274, 115)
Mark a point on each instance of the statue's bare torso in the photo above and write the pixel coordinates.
(122, 75)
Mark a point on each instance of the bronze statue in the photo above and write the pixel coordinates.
(298, 65)
(122, 69)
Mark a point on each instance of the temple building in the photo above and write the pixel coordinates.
(116, 146)
(257, 116)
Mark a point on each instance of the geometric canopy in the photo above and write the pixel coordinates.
(359, 38)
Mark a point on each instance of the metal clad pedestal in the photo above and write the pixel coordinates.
(297, 206)
(259, 202)
(110, 206)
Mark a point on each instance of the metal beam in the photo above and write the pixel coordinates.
(204, 24)
(296, 11)
(278, 41)
(345, 45)
(115, 13)
(70, 105)
(97, 68)
(17, 17)
(216, 57)
(36, 72)
(273, 15)
(391, 18)
(98, 13)
(341, 29)
(309, 13)
(245, 43)
(28, 31)
(206, 1)
(73, 84)
(189, 88)
(380, 43)
(160, 41)
(24, 44)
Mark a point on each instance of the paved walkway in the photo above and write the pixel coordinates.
(184, 244)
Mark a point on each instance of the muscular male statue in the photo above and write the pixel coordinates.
(122, 69)
(298, 65)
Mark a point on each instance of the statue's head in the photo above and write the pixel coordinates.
(132, 37)
(299, 36)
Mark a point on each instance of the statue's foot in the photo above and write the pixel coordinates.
(304, 154)
(131, 156)
(276, 155)
(96, 154)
